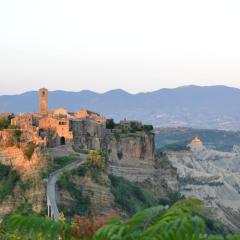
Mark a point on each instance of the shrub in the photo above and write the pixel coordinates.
(180, 222)
(81, 204)
(134, 126)
(80, 150)
(87, 227)
(8, 179)
(147, 128)
(60, 162)
(110, 124)
(117, 136)
(29, 150)
(125, 131)
(14, 137)
(97, 159)
(129, 197)
(80, 171)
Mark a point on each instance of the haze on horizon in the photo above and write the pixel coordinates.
(134, 45)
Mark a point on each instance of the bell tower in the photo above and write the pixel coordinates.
(43, 101)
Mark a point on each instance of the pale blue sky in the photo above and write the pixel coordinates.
(130, 44)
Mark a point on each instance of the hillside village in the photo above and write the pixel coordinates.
(52, 128)
(37, 144)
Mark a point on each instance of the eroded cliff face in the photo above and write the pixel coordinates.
(14, 157)
(29, 190)
(100, 198)
(132, 156)
(213, 177)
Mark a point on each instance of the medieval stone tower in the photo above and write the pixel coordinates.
(43, 101)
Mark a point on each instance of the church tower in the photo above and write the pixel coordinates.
(43, 101)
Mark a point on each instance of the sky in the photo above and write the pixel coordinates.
(134, 45)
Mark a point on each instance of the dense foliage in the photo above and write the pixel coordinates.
(8, 179)
(110, 124)
(97, 159)
(81, 204)
(58, 163)
(5, 121)
(180, 222)
(129, 197)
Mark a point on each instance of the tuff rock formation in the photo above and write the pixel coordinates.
(213, 177)
(132, 156)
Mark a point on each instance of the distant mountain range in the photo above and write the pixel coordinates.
(191, 106)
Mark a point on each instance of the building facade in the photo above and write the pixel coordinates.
(53, 127)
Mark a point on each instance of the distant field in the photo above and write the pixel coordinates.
(178, 138)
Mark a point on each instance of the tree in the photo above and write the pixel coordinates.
(147, 128)
(180, 222)
(110, 124)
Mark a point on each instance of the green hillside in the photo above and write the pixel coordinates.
(178, 138)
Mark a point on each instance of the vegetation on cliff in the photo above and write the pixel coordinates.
(57, 163)
(129, 197)
(8, 179)
(80, 204)
(5, 121)
(133, 127)
(29, 149)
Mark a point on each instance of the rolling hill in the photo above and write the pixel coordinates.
(189, 106)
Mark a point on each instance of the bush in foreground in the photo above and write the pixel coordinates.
(180, 222)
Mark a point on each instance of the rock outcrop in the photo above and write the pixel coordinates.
(132, 156)
(213, 177)
(30, 188)
(99, 194)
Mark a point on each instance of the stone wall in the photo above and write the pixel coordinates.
(61, 128)
(87, 133)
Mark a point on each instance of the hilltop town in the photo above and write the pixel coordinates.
(78, 162)
(52, 128)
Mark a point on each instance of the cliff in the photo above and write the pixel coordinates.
(27, 189)
(132, 167)
(132, 156)
(213, 177)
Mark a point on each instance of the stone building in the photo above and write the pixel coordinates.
(129, 124)
(61, 127)
(56, 127)
(24, 121)
(196, 145)
(86, 114)
(87, 133)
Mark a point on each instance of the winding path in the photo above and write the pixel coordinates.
(51, 186)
